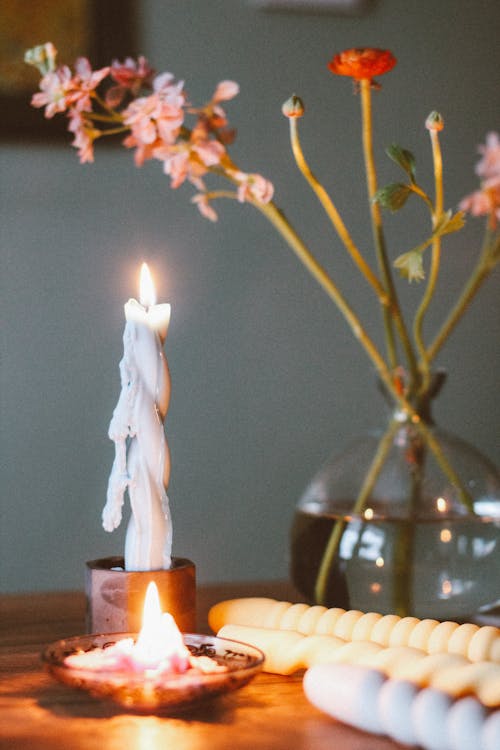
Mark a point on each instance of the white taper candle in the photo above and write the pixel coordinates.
(142, 459)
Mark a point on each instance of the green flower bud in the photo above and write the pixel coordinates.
(434, 121)
(293, 107)
(42, 57)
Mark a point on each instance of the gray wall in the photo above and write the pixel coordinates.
(266, 379)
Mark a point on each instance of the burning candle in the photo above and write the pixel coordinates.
(142, 460)
(159, 649)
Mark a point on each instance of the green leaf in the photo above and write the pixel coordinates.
(392, 196)
(410, 265)
(448, 223)
(404, 158)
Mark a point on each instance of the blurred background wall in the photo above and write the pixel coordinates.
(267, 380)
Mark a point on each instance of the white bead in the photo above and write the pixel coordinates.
(347, 692)
(394, 708)
(428, 715)
(465, 723)
(490, 735)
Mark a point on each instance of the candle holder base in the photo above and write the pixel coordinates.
(115, 596)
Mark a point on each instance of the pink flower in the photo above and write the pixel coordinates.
(60, 90)
(54, 89)
(253, 187)
(212, 117)
(155, 119)
(131, 74)
(190, 159)
(85, 135)
(489, 166)
(486, 200)
(204, 207)
(225, 90)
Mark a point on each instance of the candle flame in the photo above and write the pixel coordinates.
(160, 639)
(147, 291)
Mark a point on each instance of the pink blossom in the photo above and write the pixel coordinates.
(143, 151)
(204, 207)
(484, 202)
(54, 89)
(132, 74)
(180, 163)
(190, 159)
(212, 117)
(253, 187)
(155, 120)
(60, 90)
(85, 135)
(225, 90)
(489, 166)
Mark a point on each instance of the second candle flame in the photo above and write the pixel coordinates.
(147, 291)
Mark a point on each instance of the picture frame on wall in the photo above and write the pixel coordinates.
(101, 30)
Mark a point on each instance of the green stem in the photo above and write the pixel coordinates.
(113, 131)
(97, 117)
(435, 263)
(113, 114)
(486, 263)
(331, 550)
(334, 215)
(279, 221)
(378, 234)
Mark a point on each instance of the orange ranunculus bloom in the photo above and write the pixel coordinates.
(364, 62)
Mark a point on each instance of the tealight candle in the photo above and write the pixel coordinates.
(142, 461)
(158, 668)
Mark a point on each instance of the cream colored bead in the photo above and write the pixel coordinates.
(345, 624)
(310, 619)
(326, 623)
(356, 652)
(480, 678)
(419, 636)
(421, 671)
(364, 626)
(440, 637)
(401, 632)
(483, 643)
(291, 618)
(382, 629)
(248, 611)
(388, 659)
(275, 614)
(461, 637)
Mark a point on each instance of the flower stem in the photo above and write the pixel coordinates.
(279, 221)
(487, 261)
(334, 215)
(435, 263)
(378, 234)
(331, 550)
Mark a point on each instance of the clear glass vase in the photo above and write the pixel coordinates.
(382, 528)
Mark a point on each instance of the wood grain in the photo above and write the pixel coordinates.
(37, 713)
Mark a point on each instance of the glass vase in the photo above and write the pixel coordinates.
(382, 528)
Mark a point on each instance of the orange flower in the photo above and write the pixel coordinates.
(364, 62)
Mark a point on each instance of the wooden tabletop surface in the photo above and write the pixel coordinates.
(36, 712)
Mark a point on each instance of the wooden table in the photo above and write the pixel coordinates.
(36, 712)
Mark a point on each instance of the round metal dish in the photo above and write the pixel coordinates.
(140, 690)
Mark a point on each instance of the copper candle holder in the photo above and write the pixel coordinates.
(115, 596)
